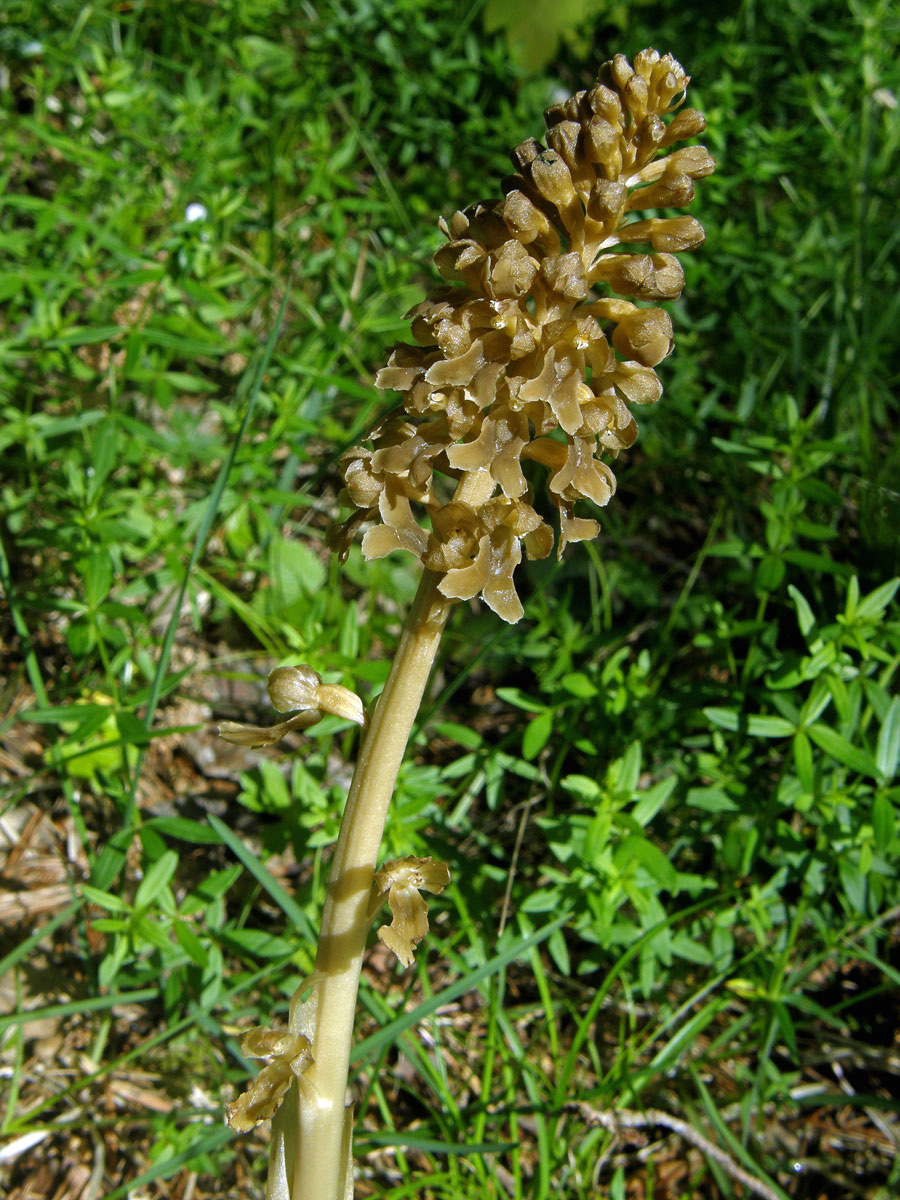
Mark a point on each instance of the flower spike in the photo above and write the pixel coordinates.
(541, 343)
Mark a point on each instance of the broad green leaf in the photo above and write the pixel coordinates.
(625, 772)
(685, 947)
(190, 943)
(534, 30)
(259, 943)
(751, 841)
(712, 799)
(459, 733)
(215, 885)
(854, 885)
(81, 637)
(653, 799)
(295, 574)
(11, 283)
(839, 748)
(148, 931)
(883, 820)
(773, 727)
(268, 793)
(185, 829)
(887, 751)
(877, 601)
(112, 961)
(770, 573)
(537, 734)
(559, 951)
(116, 99)
(109, 925)
(852, 598)
(515, 696)
(577, 684)
(756, 726)
(818, 700)
(815, 562)
(650, 857)
(113, 904)
(348, 640)
(582, 786)
(132, 729)
(156, 879)
(803, 761)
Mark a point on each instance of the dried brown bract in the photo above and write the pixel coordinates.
(533, 354)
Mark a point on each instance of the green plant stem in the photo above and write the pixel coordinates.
(321, 1150)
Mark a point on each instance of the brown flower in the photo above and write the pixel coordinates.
(400, 882)
(288, 1056)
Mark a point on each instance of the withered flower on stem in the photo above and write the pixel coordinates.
(542, 343)
(287, 1056)
(400, 882)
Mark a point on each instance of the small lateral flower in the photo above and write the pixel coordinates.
(400, 883)
(287, 1056)
(299, 690)
(526, 366)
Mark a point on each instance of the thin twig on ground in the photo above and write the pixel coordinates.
(629, 1119)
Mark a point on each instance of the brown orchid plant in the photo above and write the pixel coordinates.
(523, 375)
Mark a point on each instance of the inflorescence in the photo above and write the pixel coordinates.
(534, 355)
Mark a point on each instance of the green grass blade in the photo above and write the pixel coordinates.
(111, 859)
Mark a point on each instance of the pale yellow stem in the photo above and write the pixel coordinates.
(321, 1153)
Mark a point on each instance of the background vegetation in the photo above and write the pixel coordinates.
(668, 797)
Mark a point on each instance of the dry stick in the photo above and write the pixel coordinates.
(628, 1119)
(514, 862)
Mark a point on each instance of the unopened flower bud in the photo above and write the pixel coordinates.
(645, 336)
(293, 688)
(299, 690)
(686, 124)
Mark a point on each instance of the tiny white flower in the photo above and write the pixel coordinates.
(196, 212)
